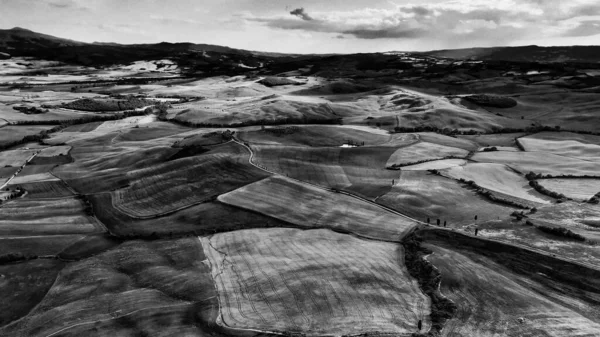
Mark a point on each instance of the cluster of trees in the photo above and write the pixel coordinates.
(534, 176)
(490, 149)
(395, 166)
(16, 257)
(453, 132)
(87, 204)
(17, 193)
(429, 278)
(595, 199)
(536, 185)
(289, 120)
(30, 110)
(561, 231)
(86, 119)
(99, 105)
(281, 131)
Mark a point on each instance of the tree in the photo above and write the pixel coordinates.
(428, 220)
(476, 217)
(444, 223)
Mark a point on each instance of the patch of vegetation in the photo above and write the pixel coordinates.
(490, 149)
(99, 105)
(273, 81)
(492, 101)
(30, 110)
(396, 166)
(561, 231)
(429, 278)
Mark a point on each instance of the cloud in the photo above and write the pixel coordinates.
(480, 21)
(173, 20)
(584, 28)
(299, 12)
(66, 4)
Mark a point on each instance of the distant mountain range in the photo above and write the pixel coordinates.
(23, 42)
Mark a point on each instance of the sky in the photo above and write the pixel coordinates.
(310, 26)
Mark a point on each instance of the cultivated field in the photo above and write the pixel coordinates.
(314, 282)
(540, 162)
(360, 170)
(566, 147)
(423, 151)
(579, 189)
(498, 178)
(182, 182)
(37, 217)
(311, 207)
(422, 195)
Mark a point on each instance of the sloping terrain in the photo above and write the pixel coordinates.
(313, 282)
(311, 207)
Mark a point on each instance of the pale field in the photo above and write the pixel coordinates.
(15, 158)
(499, 178)
(314, 282)
(539, 162)
(55, 151)
(423, 151)
(308, 206)
(30, 178)
(579, 189)
(566, 148)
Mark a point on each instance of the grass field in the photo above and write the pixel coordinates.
(502, 139)
(498, 178)
(578, 189)
(423, 151)
(311, 207)
(314, 282)
(14, 133)
(540, 162)
(15, 158)
(38, 217)
(23, 285)
(422, 195)
(175, 184)
(145, 280)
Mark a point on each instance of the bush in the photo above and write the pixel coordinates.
(561, 231)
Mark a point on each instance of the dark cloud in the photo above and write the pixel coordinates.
(301, 13)
(390, 33)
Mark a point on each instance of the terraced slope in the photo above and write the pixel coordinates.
(313, 282)
(182, 182)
